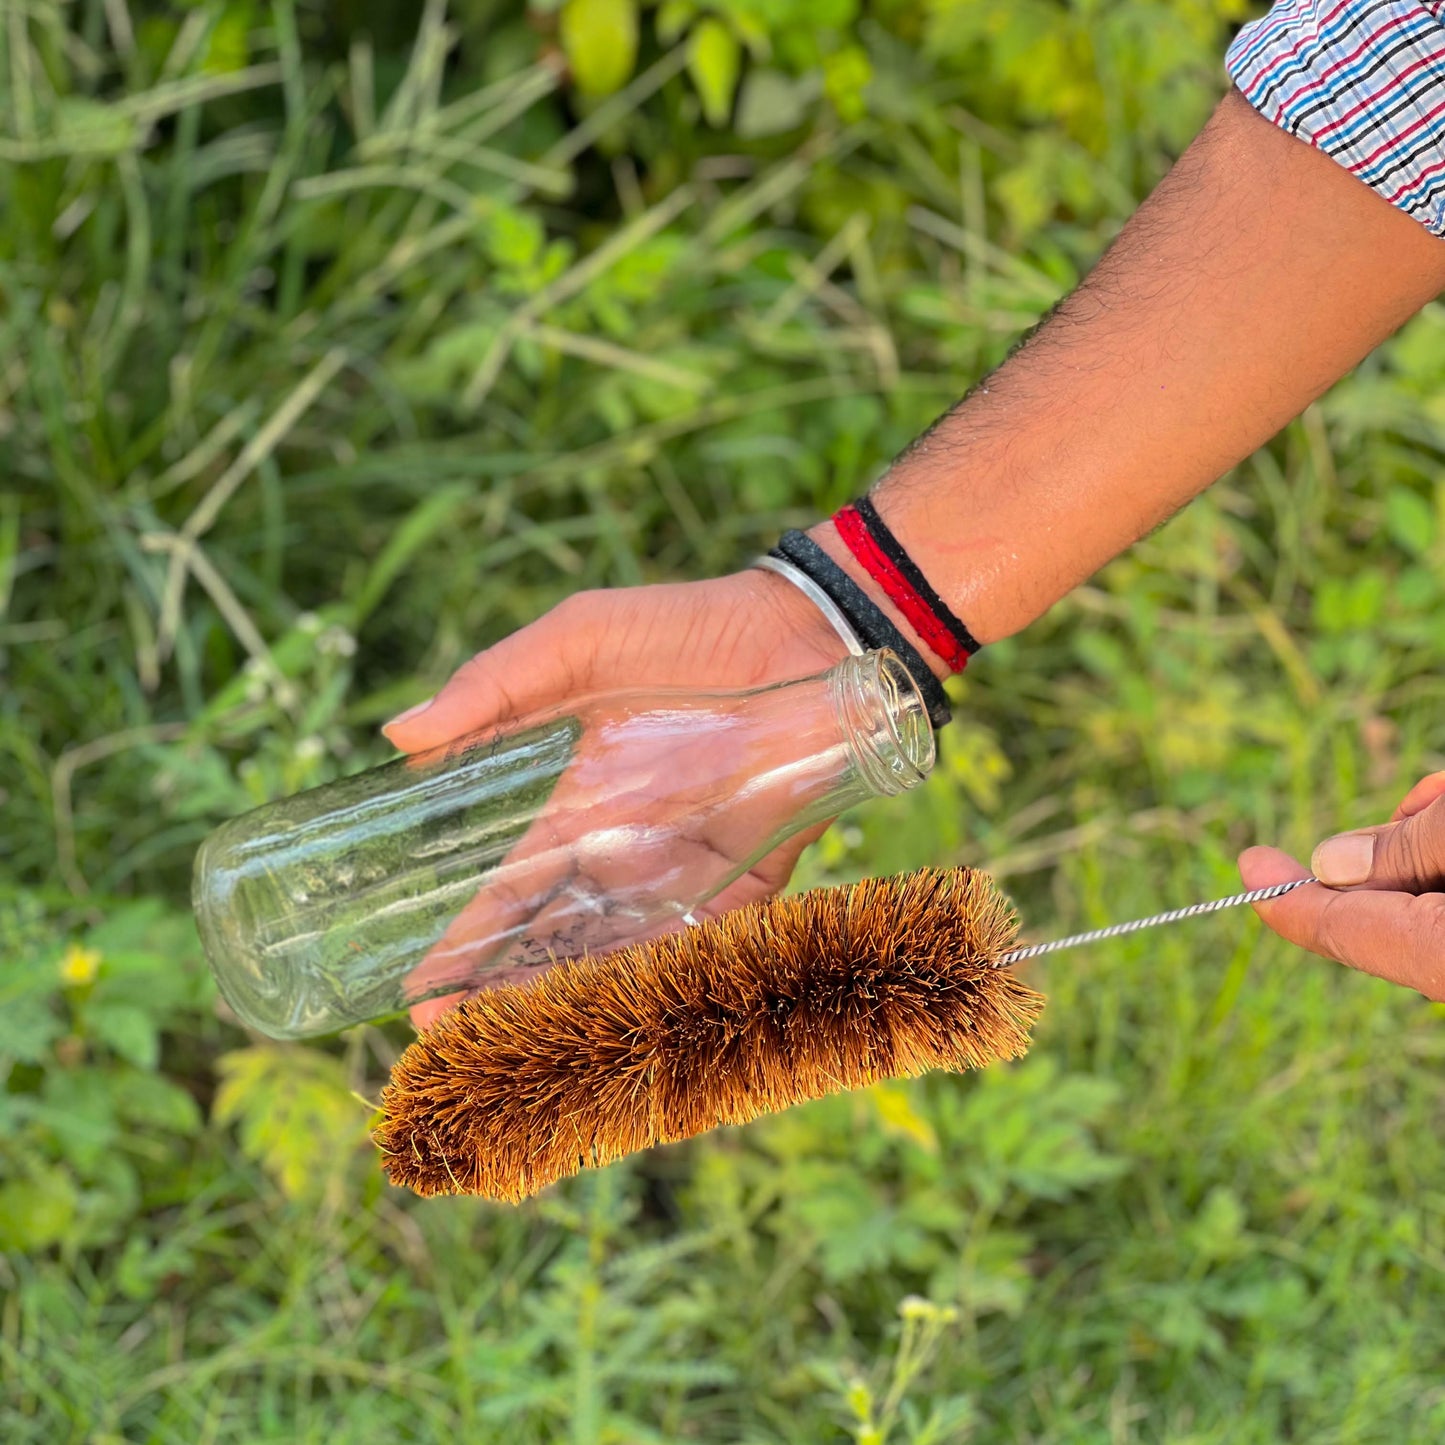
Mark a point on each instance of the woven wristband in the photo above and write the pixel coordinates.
(868, 538)
(871, 624)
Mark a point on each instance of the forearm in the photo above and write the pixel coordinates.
(1254, 277)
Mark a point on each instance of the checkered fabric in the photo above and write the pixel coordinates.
(1361, 80)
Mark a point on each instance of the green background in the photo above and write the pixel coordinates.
(339, 339)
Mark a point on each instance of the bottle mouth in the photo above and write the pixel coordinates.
(890, 733)
(907, 716)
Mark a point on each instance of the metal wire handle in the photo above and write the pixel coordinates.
(1115, 930)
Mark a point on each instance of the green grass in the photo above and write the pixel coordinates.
(334, 345)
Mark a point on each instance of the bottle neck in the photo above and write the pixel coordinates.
(883, 719)
(830, 742)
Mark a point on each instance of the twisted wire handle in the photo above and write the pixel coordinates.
(1115, 930)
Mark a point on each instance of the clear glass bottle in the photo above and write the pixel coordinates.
(589, 826)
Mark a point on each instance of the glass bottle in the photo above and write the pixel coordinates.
(601, 822)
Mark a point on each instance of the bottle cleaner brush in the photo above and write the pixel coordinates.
(745, 1014)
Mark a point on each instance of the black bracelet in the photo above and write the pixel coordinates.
(893, 550)
(870, 622)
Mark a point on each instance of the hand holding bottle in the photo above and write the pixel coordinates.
(740, 630)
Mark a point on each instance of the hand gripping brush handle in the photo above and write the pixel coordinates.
(741, 1015)
(1174, 915)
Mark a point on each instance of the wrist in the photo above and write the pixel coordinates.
(806, 632)
(825, 534)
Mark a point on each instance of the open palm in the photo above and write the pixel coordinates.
(737, 631)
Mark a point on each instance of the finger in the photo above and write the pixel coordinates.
(1264, 867)
(1395, 936)
(424, 1015)
(511, 893)
(591, 864)
(1399, 937)
(586, 877)
(1408, 856)
(482, 945)
(1420, 796)
(544, 662)
(502, 937)
(762, 880)
(769, 875)
(497, 922)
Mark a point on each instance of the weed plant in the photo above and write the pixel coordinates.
(339, 339)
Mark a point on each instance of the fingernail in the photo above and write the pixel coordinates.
(1344, 859)
(415, 710)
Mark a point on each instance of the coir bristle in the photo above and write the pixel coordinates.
(762, 1008)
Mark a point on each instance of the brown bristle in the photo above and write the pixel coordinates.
(765, 1007)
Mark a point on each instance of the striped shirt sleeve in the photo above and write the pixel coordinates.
(1361, 80)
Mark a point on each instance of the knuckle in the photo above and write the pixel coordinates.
(1329, 940)
(1409, 853)
(574, 608)
(476, 669)
(476, 685)
(574, 631)
(1416, 849)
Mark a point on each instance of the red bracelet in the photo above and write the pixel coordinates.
(901, 592)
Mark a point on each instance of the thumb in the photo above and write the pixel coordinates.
(1407, 856)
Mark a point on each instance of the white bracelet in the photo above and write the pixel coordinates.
(817, 596)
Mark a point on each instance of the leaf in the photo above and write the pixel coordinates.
(599, 39)
(78, 1108)
(854, 1229)
(714, 59)
(894, 1102)
(229, 46)
(420, 526)
(1418, 352)
(993, 1275)
(673, 17)
(150, 955)
(1410, 520)
(515, 238)
(128, 1029)
(1176, 1319)
(847, 73)
(951, 1418)
(143, 1266)
(772, 102)
(38, 1210)
(153, 1100)
(131, 928)
(108, 1203)
(1026, 1128)
(438, 373)
(295, 1114)
(27, 1028)
(1217, 1231)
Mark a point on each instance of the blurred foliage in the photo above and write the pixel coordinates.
(339, 339)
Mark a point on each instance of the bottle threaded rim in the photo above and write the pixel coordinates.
(886, 721)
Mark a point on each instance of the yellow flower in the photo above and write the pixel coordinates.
(79, 965)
